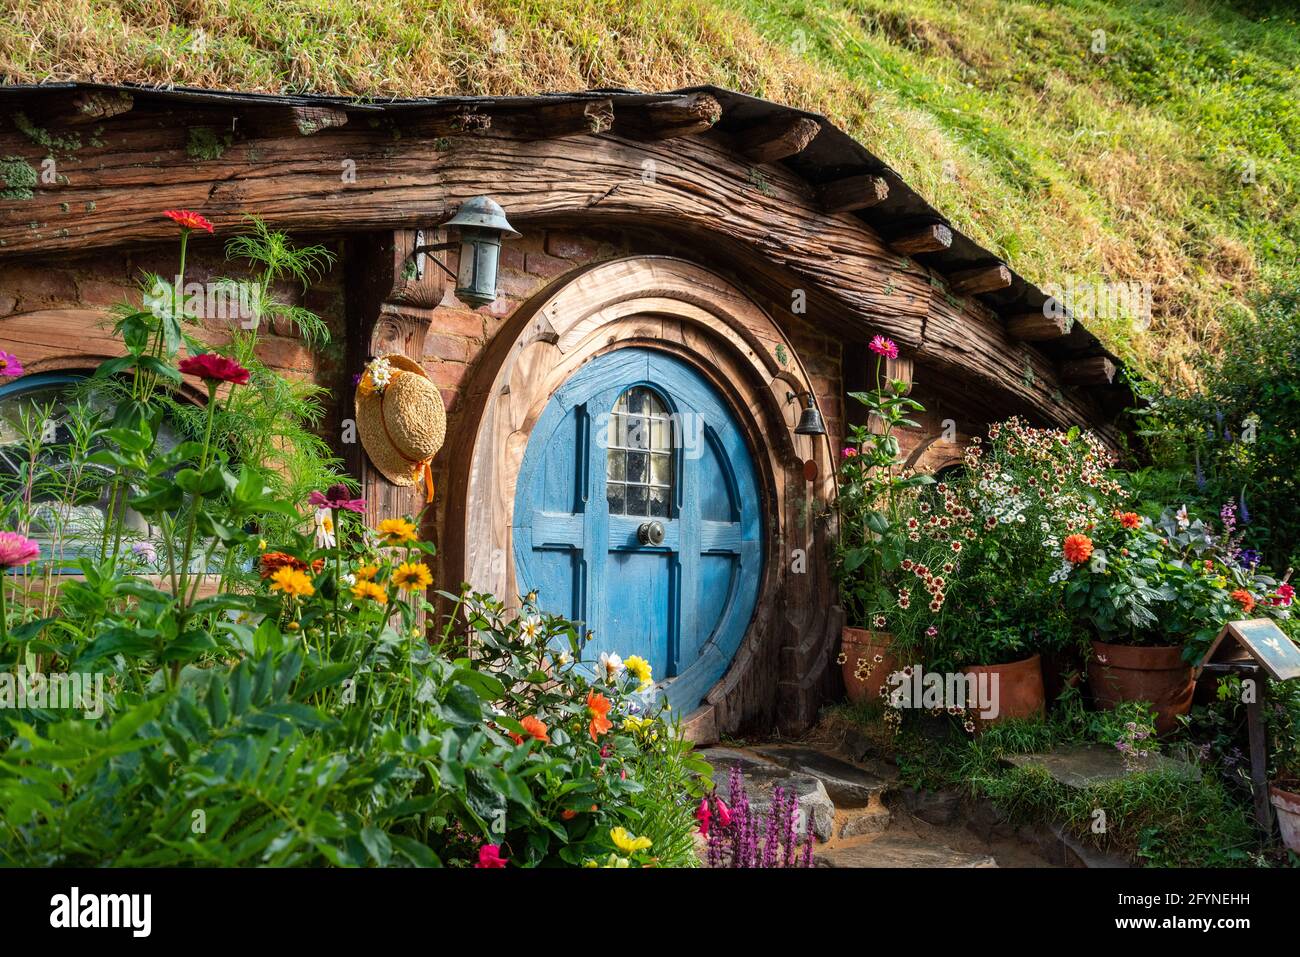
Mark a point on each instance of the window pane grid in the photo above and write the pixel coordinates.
(639, 462)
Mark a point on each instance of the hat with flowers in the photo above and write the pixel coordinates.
(401, 420)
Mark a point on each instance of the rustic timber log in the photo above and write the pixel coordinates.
(932, 239)
(971, 282)
(355, 179)
(680, 116)
(771, 142)
(459, 123)
(305, 120)
(1037, 327)
(568, 118)
(85, 106)
(852, 192)
(1090, 370)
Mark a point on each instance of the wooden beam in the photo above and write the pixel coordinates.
(1090, 370)
(972, 282)
(667, 119)
(1036, 327)
(304, 120)
(931, 239)
(557, 120)
(852, 192)
(460, 123)
(770, 142)
(85, 106)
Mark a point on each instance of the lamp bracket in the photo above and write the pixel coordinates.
(433, 248)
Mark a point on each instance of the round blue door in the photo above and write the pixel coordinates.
(638, 514)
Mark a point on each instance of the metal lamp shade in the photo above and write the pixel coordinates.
(481, 223)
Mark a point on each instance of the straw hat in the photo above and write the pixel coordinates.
(401, 419)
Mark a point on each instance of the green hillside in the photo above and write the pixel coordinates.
(1154, 141)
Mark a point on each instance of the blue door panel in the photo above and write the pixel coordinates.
(685, 603)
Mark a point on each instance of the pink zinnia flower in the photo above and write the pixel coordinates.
(850, 452)
(214, 368)
(188, 219)
(17, 550)
(337, 496)
(10, 365)
(884, 347)
(489, 856)
(704, 815)
(1285, 595)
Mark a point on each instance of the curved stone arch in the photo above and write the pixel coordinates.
(663, 303)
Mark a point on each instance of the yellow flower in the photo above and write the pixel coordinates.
(292, 582)
(412, 576)
(640, 727)
(628, 843)
(397, 531)
(367, 573)
(368, 590)
(640, 669)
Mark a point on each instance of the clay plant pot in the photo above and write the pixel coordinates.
(1157, 674)
(1287, 804)
(859, 644)
(1019, 689)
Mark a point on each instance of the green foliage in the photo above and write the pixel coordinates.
(1238, 438)
(299, 715)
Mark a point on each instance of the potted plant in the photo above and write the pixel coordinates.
(876, 512)
(1023, 489)
(1283, 719)
(1157, 592)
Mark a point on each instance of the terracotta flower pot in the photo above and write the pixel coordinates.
(1019, 689)
(1287, 804)
(863, 681)
(1157, 674)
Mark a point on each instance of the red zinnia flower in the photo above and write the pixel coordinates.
(214, 368)
(1131, 520)
(188, 219)
(489, 855)
(1285, 595)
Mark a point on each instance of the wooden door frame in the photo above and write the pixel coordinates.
(690, 312)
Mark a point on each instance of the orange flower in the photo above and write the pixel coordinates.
(1245, 599)
(1131, 520)
(1078, 548)
(272, 562)
(598, 707)
(535, 728)
(568, 814)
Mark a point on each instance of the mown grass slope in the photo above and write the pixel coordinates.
(1083, 140)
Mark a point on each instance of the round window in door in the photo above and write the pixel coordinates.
(638, 514)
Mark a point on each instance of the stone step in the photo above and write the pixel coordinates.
(849, 785)
(898, 850)
(856, 822)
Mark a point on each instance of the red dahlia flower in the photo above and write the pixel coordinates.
(214, 368)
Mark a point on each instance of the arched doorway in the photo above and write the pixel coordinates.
(638, 513)
(698, 340)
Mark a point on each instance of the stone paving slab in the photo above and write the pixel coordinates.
(1086, 765)
(847, 784)
(890, 850)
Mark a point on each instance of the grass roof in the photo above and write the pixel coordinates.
(1082, 140)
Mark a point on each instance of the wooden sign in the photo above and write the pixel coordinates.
(1258, 639)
